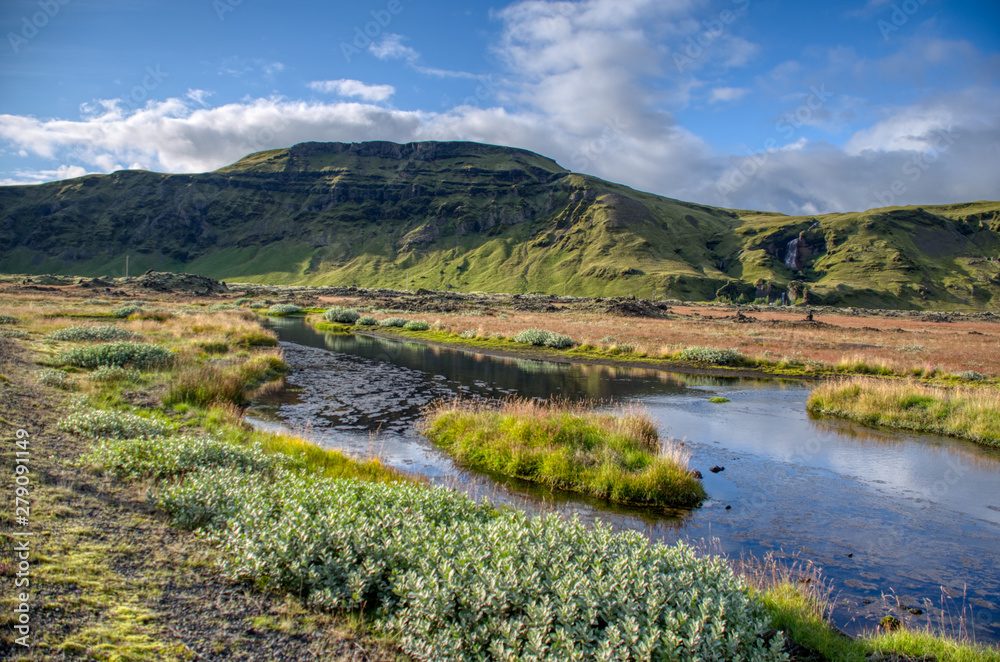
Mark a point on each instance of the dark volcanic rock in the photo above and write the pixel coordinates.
(165, 281)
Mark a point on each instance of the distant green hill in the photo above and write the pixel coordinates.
(470, 216)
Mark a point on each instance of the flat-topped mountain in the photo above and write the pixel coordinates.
(469, 216)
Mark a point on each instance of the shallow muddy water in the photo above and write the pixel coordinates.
(915, 518)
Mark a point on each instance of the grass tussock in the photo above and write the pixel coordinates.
(617, 456)
(208, 384)
(970, 413)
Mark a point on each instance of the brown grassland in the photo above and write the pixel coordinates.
(901, 343)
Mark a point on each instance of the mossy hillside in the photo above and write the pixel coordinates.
(478, 217)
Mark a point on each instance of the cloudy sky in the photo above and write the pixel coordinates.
(797, 107)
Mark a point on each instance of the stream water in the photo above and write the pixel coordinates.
(891, 518)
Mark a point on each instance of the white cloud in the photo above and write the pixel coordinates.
(910, 129)
(391, 47)
(726, 94)
(347, 87)
(176, 136)
(42, 176)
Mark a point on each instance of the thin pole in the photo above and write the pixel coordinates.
(126, 265)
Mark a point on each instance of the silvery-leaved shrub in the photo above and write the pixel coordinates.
(126, 310)
(970, 375)
(109, 423)
(416, 325)
(106, 332)
(712, 355)
(53, 377)
(8, 319)
(394, 321)
(456, 580)
(543, 338)
(113, 373)
(547, 589)
(366, 320)
(168, 456)
(143, 356)
(284, 309)
(341, 315)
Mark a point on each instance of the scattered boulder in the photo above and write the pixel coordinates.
(716, 469)
(94, 282)
(165, 281)
(632, 307)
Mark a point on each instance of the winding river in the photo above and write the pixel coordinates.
(899, 523)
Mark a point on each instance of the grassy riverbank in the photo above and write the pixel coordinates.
(800, 609)
(543, 343)
(969, 413)
(617, 456)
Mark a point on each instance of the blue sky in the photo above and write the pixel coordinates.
(796, 107)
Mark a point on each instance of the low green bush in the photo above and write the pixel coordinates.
(113, 373)
(416, 325)
(341, 315)
(106, 332)
(53, 377)
(394, 321)
(969, 376)
(143, 356)
(457, 581)
(284, 309)
(126, 311)
(170, 456)
(366, 320)
(712, 355)
(543, 338)
(8, 319)
(110, 423)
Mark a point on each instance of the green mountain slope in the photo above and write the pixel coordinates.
(479, 217)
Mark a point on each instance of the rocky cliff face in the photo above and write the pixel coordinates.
(472, 216)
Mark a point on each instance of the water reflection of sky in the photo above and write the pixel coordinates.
(916, 512)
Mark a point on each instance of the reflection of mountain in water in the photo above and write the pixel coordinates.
(528, 378)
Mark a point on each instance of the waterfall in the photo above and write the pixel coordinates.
(792, 256)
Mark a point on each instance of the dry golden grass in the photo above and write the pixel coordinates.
(901, 345)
